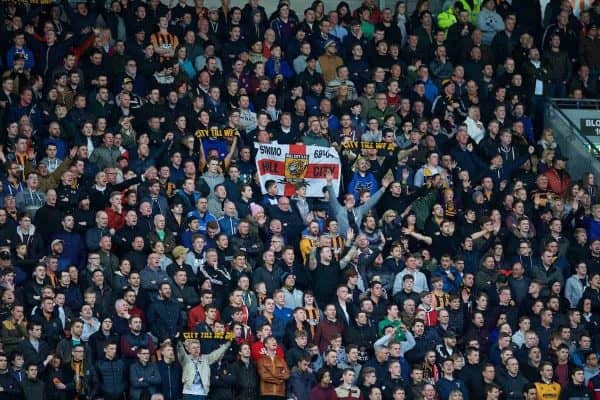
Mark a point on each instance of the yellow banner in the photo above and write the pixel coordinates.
(216, 132)
(355, 145)
(207, 335)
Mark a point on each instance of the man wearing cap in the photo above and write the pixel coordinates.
(558, 178)
(179, 255)
(127, 87)
(446, 102)
(448, 347)
(283, 24)
(329, 61)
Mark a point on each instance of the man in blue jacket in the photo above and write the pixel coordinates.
(20, 48)
(448, 383)
(143, 375)
(164, 316)
(111, 374)
(170, 372)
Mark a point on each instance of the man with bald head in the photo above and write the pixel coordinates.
(161, 234)
(152, 275)
(290, 218)
(48, 217)
(93, 235)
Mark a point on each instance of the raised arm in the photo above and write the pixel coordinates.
(372, 202)
(418, 236)
(312, 259)
(181, 353)
(333, 203)
(232, 150)
(218, 353)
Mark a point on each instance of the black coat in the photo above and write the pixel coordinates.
(33, 390)
(170, 374)
(30, 355)
(98, 340)
(11, 388)
(246, 380)
(164, 319)
(52, 329)
(576, 392)
(46, 219)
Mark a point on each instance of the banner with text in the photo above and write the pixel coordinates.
(354, 145)
(291, 164)
(216, 132)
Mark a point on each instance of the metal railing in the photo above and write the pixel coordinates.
(583, 153)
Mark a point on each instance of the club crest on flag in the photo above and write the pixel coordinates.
(295, 167)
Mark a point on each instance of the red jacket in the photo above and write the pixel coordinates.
(115, 220)
(594, 386)
(323, 393)
(196, 315)
(431, 315)
(257, 351)
(556, 183)
(327, 330)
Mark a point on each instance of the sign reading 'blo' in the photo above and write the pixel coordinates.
(590, 126)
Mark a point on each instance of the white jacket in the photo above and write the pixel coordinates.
(203, 363)
(475, 129)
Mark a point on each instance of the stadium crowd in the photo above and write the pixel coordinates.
(141, 259)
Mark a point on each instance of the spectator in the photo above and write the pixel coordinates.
(273, 371)
(196, 367)
(143, 375)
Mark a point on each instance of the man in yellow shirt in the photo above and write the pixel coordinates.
(547, 389)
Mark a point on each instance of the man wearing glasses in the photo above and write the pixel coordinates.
(144, 376)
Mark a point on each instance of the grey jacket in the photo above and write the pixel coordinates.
(574, 290)
(105, 157)
(490, 23)
(341, 213)
(30, 201)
